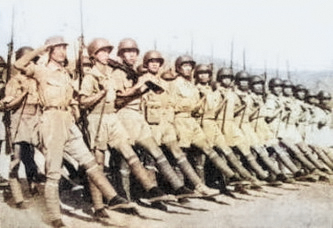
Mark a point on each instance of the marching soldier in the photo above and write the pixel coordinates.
(190, 134)
(129, 92)
(276, 110)
(98, 96)
(263, 130)
(232, 132)
(243, 111)
(159, 112)
(58, 131)
(24, 124)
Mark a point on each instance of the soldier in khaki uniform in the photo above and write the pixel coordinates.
(130, 90)
(24, 122)
(98, 96)
(231, 129)
(276, 110)
(159, 113)
(263, 130)
(190, 134)
(58, 132)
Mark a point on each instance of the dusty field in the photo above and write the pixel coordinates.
(306, 205)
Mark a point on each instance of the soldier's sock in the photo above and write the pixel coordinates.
(237, 164)
(16, 190)
(322, 155)
(219, 163)
(188, 170)
(285, 159)
(98, 178)
(308, 154)
(168, 173)
(141, 173)
(96, 195)
(299, 155)
(52, 201)
(256, 167)
(263, 154)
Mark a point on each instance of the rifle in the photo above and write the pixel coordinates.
(131, 74)
(6, 118)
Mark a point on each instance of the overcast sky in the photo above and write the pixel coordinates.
(271, 31)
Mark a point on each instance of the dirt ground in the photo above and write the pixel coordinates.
(298, 205)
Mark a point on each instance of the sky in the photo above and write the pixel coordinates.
(272, 33)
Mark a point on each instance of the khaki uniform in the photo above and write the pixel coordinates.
(24, 126)
(208, 121)
(110, 130)
(159, 113)
(132, 118)
(59, 134)
(188, 130)
(232, 133)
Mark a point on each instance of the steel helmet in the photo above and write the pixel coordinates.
(324, 95)
(287, 84)
(202, 68)
(55, 41)
(127, 43)
(22, 51)
(183, 59)
(224, 72)
(242, 76)
(274, 82)
(256, 79)
(150, 55)
(97, 44)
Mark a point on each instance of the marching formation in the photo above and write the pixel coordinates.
(177, 132)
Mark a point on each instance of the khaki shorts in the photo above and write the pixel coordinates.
(164, 132)
(111, 131)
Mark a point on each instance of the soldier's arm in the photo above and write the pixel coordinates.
(88, 97)
(23, 64)
(9, 103)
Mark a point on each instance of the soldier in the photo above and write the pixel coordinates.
(130, 90)
(98, 96)
(263, 130)
(58, 131)
(191, 136)
(276, 110)
(234, 136)
(243, 107)
(24, 124)
(159, 112)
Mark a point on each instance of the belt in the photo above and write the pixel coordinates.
(60, 108)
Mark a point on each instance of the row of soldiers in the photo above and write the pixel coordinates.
(191, 130)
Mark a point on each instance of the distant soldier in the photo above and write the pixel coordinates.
(231, 120)
(277, 112)
(24, 125)
(159, 112)
(130, 90)
(263, 130)
(243, 107)
(98, 96)
(191, 136)
(58, 131)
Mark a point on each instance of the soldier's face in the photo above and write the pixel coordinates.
(186, 69)
(288, 91)
(226, 82)
(243, 85)
(154, 66)
(204, 77)
(277, 90)
(102, 55)
(258, 88)
(59, 53)
(130, 56)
